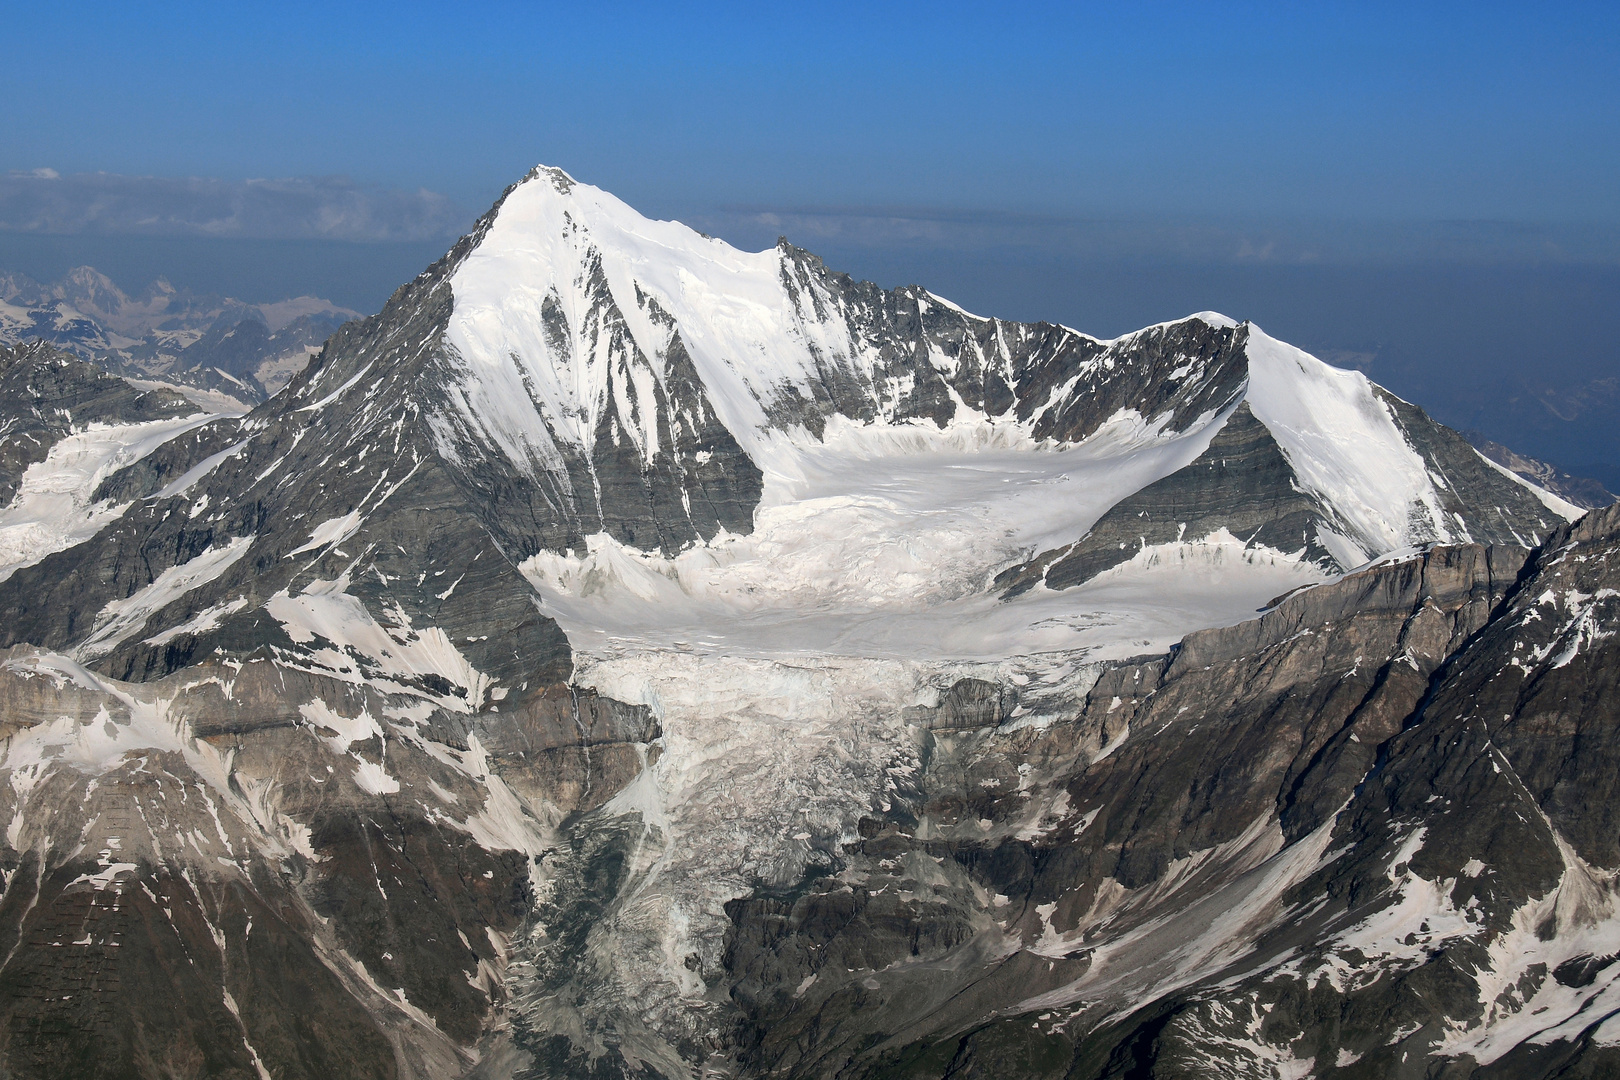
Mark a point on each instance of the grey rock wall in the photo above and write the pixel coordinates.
(46, 394)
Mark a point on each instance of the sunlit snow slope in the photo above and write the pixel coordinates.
(909, 451)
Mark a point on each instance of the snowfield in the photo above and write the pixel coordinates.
(53, 510)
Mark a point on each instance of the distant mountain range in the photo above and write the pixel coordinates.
(248, 351)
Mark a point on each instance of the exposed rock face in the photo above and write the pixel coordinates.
(276, 501)
(1365, 835)
(1471, 492)
(1582, 491)
(247, 358)
(916, 357)
(277, 853)
(496, 700)
(45, 394)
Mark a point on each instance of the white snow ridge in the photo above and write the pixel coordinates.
(879, 537)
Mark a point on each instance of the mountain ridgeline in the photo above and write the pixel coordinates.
(627, 656)
(246, 351)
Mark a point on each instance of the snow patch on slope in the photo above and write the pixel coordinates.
(1243, 885)
(330, 533)
(213, 402)
(183, 483)
(394, 659)
(52, 509)
(106, 741)
(1346, 449)
(205, 620)
(121, 618)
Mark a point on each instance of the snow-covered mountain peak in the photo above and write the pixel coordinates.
(1209, 318)
(791, 419)
(573, 313)
(566, 311)
(629, 655)
(558, 177)
(1346, 440)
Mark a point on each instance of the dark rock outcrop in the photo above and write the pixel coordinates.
(1236, 830)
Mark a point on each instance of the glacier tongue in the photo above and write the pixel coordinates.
(767, 768)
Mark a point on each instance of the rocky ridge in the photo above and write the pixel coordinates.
(46, 395)
(1582, 491)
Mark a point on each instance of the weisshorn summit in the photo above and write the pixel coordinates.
(627, 656)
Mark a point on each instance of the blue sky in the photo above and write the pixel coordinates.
(1383, 111)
